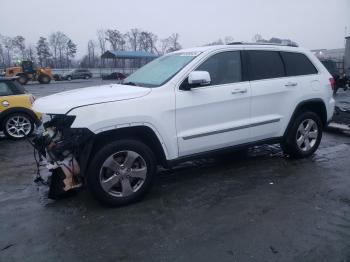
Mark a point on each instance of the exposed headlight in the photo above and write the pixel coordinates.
(59, 121)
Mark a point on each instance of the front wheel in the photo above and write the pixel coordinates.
(18, 125)
(121, 172)
(304, 136)
(44, 79)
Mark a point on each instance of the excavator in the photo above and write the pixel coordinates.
(26, 71)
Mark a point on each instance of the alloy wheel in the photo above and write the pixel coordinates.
(123, 173)
(18, 126)
(307, 135)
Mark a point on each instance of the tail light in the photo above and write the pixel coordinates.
(332, 83)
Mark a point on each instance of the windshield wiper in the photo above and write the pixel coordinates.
(129, 83)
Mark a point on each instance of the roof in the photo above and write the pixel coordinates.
(241, 47)
(128, 54)
(3, 79)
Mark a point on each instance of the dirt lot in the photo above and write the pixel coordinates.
(256, 206)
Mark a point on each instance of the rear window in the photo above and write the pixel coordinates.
(298, 64)
(265, 65)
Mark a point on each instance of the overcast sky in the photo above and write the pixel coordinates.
(311, 23)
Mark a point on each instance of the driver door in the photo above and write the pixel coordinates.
(217, 115)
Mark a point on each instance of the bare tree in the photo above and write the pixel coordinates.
(18, 42)
(228, 39)
(257, 38)
(30, 53)
(116, 39)
(101, 37)
(174, 42)
(133, 38)
(2, 56)
(91, 54)
(147, 41)
(8, 45)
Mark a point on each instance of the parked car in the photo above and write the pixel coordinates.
(17, 119)
(77, 74)
(341, 80)
(185, 105)
(114, 75)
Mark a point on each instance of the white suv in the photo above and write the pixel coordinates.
(183, 105)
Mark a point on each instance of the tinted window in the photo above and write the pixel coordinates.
(297, 64)
(5, 90)
(265, 64)
(223, 68)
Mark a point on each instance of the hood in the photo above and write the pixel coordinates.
(61, 103)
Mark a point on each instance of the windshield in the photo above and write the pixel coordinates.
(161, 70)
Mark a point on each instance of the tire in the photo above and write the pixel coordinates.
(12, 131)
(304, 136)
(86, 77)
(44, 79)
(23, 79)
(110, 174)
(69, 78)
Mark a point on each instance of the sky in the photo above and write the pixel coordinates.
(312, 24)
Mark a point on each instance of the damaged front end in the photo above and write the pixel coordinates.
(64, 148)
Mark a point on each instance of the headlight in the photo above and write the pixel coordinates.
(59, 121)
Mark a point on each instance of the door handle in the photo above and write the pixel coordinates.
(291, 84)
(239, 91)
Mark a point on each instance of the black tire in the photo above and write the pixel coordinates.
(103, 154)
(69, 78)
(44, 79)
(22, 79)
(10, 134)
(290, 145)
(87, 77)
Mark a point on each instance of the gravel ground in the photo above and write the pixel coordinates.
(251, 206)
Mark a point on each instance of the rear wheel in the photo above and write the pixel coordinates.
(18, 125)
(23, 79)
(121, 172)
(44, 79)
(304, 137)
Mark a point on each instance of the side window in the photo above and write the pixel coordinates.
(265, 64)
(224, 68)
(298, 64)
(5, 89)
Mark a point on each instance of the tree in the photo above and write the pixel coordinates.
(2, 56)
(43, 51)
(101, 37)
(8, 45)
(18, 42)
(147, 41)
(71, 50)
(133, 38)
(116, 39)
(257, 38)
(174, 42)
(30, 53)
(91, 54)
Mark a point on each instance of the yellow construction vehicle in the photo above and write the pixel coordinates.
(26, 72)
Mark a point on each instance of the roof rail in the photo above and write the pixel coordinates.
(262, 43)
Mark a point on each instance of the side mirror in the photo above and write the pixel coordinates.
(200, 78)
(196, 79)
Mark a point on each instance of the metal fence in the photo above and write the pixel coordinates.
(97, 72)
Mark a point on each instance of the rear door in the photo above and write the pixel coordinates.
(273, 94)
(217, 115)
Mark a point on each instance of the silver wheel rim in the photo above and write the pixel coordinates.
(307, 135)
(123, 173)
(18, 126)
